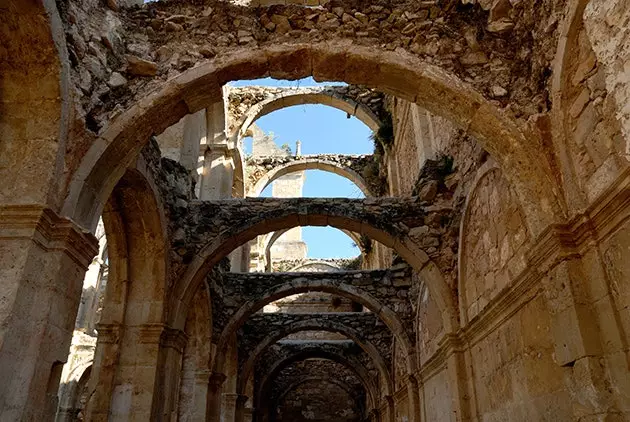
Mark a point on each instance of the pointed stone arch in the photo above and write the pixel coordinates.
(290, 98)
(319, 325)
(396, 73)
(135, 297)
(311, 164)
(310, 353)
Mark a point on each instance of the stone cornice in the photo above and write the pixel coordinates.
(164, 335)
(50, 231)
(202, 376)
(175, 339)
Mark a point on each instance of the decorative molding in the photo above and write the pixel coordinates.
(401, 395)
(216, 380)
(202, 376)
(48, 230)
(174, 339)
(109, 333)
(163, 335)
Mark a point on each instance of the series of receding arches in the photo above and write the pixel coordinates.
(112, 181)
(101, 170)
(124, 137)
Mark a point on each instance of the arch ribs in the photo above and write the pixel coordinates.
(232, 291)
(362, 170)
(366, 325)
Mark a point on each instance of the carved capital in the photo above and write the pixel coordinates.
(151, 333)
(175, 339)
(164, 336)
(50, 231)
(202, 376)
(216, 380)
(109, 333)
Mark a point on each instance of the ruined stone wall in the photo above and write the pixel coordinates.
(606, 24)
(516, 375)
(493, 245)
(316, 396)
(318, 401)
(590, 120)
(405, 150)
(310, 303)
(120, 55)
(487, 257)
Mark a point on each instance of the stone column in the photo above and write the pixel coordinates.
(229, 402)
(241, 401)
(414, 399)
(172, 344)
(217, 174)
(43, 259)
(458, 381)
(248, 414)
(218, 168)
(141, 382)
(391, 409)
(103, 373)
(578, 336)
(195, 134)
(213, 402)
(202, 379)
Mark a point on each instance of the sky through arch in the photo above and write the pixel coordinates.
(320, 129)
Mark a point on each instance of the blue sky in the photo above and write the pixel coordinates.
(321, 129)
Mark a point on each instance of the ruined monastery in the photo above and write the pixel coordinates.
(153, 268)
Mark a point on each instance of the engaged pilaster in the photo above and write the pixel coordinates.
(43, 259)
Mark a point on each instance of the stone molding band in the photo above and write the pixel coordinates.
(50, 231)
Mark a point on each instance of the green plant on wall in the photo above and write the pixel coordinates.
(383, 137)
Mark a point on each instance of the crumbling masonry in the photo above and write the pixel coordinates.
(494, 279)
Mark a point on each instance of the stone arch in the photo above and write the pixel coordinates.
(317, 325)
(351, 392)
(271, 238)
(569, 29)
(488, 170)
(333, 381)
(135, 295)
(396, 73)
(359, 370)
(311, 164)
(226, 241)
(387, 315)
(71, 389)
(289, 99)
(135, 211)
(332, 267)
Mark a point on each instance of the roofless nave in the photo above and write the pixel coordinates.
(494, 231)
